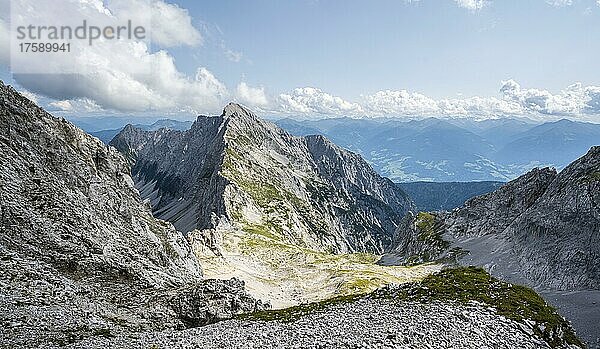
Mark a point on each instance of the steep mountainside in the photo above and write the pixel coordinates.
(432, 196)
(80, 253)
(237, 169)
(549, 223)
(542, 229)
(551, 220)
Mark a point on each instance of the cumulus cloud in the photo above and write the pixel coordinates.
(472, 5)
(126, 75)
(62, 105)
(81, 105)
(310, 100)
(170, 25)
(404, 103)
(251, 96)
(486, 107)
(400, 103)
(575, 101)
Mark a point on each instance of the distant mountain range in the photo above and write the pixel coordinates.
(455, 150)
(303, 190)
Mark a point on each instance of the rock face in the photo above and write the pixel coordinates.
(419, 240)
(235, 169)
(544, 226)
(494, 212)
(80, 253)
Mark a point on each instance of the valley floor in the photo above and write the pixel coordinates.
(287, 275)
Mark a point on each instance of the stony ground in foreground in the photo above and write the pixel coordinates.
(366, 323)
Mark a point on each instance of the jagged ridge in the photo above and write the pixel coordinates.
(236, 168)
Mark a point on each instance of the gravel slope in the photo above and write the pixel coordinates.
(367, 323)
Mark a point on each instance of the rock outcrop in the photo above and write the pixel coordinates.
(80, 253)
(236, 169)
(543, 226)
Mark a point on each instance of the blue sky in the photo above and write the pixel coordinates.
(351, 47)
(317, 58)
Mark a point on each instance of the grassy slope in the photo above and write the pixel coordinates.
(287, 274)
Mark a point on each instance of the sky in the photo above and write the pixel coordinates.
(316, 58)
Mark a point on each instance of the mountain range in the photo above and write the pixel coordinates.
(455, 150)
(114, 246)
(435, 150)
(265, 174)
(236, 167)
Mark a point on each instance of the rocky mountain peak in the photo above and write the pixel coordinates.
(236, 110)
(241, 169)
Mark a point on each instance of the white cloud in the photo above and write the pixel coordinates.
(170, 24)
(472, 5)
(576, 101)
(598, 2)
(125, 75)
(486, 107)
(62, 105)
(251, 96)
(80, 105)
(311, 101)
(404, 103)
(400, 103)
(560, 3)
